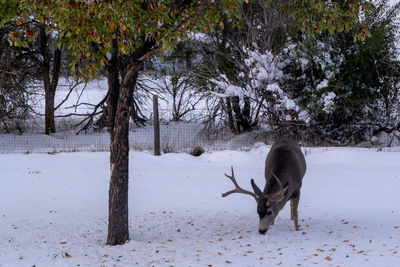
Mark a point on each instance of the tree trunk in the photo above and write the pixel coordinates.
(50, 126)
(118, 231)
(113, 87)
(230, 115)
(50, 77)
(120, 100)
(241, 117)
(246, 114)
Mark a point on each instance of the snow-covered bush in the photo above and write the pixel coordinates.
(349, 89)
(260, 80)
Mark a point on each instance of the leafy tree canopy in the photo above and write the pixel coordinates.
(316, 16)
(87, 28)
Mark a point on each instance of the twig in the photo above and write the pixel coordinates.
(66, 98)
(90, 118)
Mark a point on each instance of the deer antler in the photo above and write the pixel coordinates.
(237, 189)
(278, 195)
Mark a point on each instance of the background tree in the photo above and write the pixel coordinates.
(16, 75)
(173, 78)
(37, 37)
(246, 96)
(103, 33)
(349, 89)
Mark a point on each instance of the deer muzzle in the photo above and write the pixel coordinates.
(263, 232)
(265, 223)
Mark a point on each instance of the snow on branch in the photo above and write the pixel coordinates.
(261, 74)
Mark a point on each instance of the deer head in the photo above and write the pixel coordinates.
(267, 204)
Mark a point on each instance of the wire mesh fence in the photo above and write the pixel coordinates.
(174, 137)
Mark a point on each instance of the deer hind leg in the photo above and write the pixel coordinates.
(294, 203)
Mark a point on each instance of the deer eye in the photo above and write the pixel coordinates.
(269, 212)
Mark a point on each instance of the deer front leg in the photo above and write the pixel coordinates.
(294, 203)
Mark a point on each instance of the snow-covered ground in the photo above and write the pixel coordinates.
(53, 211)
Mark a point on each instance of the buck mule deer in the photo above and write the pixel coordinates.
(285, 167)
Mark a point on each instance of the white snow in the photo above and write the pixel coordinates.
(322, 84)
(328, 101)
(51, 205)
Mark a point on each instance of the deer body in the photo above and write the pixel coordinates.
(285, 167)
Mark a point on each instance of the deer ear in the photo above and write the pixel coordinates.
(281, 194)
(256, 189)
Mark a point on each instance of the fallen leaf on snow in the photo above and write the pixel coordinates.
(328, 258)
(63, 242)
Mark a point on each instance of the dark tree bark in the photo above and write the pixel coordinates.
(242, 123)
(50, 77)
(118, 231)
(113, 86)
(230, 115)
(50, 126)
(119, 109)
(246, 113)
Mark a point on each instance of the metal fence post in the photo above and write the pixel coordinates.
(156, 126)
